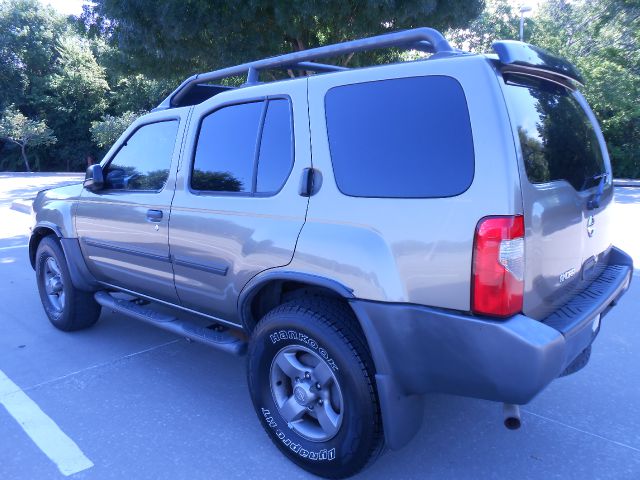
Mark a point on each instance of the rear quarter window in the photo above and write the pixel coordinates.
(400, 138)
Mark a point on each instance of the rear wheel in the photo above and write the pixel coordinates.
(67, 307)
(313, 387)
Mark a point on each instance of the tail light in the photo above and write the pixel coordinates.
(498, 266)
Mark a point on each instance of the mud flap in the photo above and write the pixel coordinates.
(401, 414)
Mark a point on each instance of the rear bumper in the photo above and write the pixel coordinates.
(419, 349)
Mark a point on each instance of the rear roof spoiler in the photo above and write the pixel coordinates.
(528, 57)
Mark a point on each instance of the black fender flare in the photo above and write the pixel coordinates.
(81, 277)
(37, 234)
(254, 285)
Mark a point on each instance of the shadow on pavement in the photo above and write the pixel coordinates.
(15, 241)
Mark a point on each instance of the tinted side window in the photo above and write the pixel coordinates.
(276, 147)
(143, 162)
(402, 138)
(226, 150)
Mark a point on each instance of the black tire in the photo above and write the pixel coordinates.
(317, 330)
(67, 307)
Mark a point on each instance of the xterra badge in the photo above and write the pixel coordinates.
(567, 275)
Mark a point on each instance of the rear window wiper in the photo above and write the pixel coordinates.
(594, 200)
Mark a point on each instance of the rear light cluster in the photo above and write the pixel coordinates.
(498, 266)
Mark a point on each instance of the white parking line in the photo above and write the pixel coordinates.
(41, 429)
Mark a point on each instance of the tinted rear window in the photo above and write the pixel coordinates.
(401, 138)
(557, 139)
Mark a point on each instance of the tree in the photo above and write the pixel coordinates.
(498, 21)
(602, 38)
(24, 132)
(177, 37)
(74, 95)
(28, 35)
(49, 72)
(106, 131)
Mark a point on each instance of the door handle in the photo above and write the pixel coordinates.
(310, 182)
(154, 216)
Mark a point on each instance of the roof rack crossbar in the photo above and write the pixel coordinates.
(424, 38)
(316, 67)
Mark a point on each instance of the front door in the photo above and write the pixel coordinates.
(124, 228)
(237, 209)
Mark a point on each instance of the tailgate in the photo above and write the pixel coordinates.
(566, 188)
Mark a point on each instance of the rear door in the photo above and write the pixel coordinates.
(237, 209)
(566, 188)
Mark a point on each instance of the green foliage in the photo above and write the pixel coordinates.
(106, 131)
(50, 69)
(499, 21)
(74, 95)
(83, 77)
(602, 38)
(181, 37)
(24, 132)
(137, 92)
(28, 30)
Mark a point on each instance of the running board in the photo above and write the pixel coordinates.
(216, 336)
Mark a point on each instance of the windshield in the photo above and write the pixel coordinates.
(557, 139)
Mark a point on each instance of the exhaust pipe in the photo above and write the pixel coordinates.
(511, 416)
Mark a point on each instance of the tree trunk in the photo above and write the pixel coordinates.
(23, 148)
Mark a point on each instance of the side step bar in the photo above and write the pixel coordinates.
(216, 336)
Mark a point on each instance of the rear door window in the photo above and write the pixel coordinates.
(244, 148)
(226, 150)
(400, 138)
(557, 138)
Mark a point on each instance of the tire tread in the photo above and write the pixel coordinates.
(338, 317)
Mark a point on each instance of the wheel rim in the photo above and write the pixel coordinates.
(307, 393)
(53, 283)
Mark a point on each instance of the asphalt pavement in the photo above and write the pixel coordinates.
(139, 403)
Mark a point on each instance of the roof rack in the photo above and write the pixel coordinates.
(424, 39)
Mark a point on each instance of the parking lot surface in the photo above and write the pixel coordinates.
(141, 403)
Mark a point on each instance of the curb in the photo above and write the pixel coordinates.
(625, 182)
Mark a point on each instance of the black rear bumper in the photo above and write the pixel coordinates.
(418, 349)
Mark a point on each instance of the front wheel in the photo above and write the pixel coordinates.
(312, 384)
(67, 307)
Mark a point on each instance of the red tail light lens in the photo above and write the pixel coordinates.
(498, 266)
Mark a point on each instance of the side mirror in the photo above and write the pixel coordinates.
(94, 179)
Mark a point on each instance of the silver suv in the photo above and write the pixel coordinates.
(366, 235)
